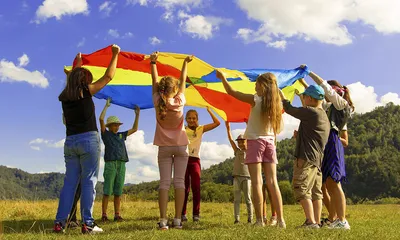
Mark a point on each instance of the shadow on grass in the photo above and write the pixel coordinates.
(27, 226)
(148, 218)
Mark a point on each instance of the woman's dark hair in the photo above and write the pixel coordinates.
(78, 80)
(346, 92)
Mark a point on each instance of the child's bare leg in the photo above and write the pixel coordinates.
(105, 204)
(117, 205)
(256, 185)
(272, 184)
(317, 207)
(308, 210)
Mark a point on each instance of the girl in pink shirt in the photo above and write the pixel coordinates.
(171, 138)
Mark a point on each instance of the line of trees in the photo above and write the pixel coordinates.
(372, 162)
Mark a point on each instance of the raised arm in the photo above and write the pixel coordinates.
(228, 130)
(301, 97)
(136, 123)
(247, 98)
(338, 102)
(78, 64)
(103, 114)
(182, 83)
(213, 125)
(109, 74)
(301, 113)
(154, 72)
(305, 85)
(78, 61)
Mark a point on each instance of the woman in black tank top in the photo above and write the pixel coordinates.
(82, 144)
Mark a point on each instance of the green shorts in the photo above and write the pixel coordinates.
(114, 178)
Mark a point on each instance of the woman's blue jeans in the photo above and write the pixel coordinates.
(82, 158)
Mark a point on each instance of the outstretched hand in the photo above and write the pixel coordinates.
(115, 49)
(220, 74)
(137, 110)
(154, 56)
(188, 59)
(108, 103)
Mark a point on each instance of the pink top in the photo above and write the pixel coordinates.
(171, 130)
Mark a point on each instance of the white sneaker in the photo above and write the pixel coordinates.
(340, 225)
(184, 218)
(280, 225)
(259, 223)
(93, 229)
(307, 225)
(334, 223)
(196, 218)
(273, 222)
(177, 223)
(163, 224)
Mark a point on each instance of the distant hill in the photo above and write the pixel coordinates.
(372, 159)
(18, 184)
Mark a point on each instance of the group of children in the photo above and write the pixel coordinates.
(318, 168)
(319, 151)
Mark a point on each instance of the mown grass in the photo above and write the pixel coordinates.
(34, 220)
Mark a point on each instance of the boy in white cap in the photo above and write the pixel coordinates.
(241, 176)
(115, 158)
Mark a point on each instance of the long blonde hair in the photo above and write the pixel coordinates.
(271, 106)
(166, 86)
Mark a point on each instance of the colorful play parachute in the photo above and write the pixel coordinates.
(131, 85)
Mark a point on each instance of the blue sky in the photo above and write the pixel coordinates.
(356, 44)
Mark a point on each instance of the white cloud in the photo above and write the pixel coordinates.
(168, 16)
(148, 172)
(317, 20)
(290, 124)
(365, 99)
(127, 35)
(146, 153)
(278, 44)
(60, 8)
(9, 72)
(199, 26)
(140, 2)
(212, 153)
(115, 34)
(38, 143)
(390, 97)
(23, 60)
(35, 148)
(107, 7)
(81, 43)
(25, 5)
(171, 6)
(154, 40)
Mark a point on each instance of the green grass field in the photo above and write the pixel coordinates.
(34, 220)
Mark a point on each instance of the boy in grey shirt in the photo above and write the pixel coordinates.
(241, 176)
